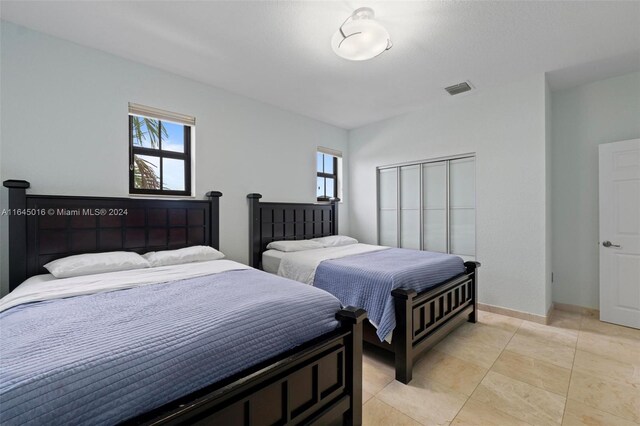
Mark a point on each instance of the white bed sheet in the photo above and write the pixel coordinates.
(271, 260)
(301, 265)
(41, 287)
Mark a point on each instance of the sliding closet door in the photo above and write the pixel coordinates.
(429, 205)
(462, 207)
(434, 188)
(388, 207)
(410, 207)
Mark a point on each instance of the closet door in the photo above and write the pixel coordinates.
(462, 206)
(410, 207)
(434, 202)
(388, 207)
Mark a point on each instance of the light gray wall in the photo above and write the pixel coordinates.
(582, 118)
(505, 127)
(65, 129)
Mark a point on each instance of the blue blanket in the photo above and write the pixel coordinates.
(104, 358)
(366, 280)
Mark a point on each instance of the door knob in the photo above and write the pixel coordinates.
(608, 244)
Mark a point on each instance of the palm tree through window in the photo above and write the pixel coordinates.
(160, 156)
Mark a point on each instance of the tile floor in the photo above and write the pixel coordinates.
(506, 371)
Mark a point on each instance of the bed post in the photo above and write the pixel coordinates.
(17, 231)
(472, 270)
(254, 230)
(334, 213)
(403, 333)
(353, 319)
(214, 222)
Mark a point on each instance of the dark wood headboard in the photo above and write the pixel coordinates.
(43, 228)
(274, 221)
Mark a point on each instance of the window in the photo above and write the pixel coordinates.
(428, 205)
(159, 151)
(328, 164)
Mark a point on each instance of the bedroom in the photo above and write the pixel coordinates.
(264, 94)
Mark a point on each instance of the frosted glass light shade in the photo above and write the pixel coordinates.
(361, 37)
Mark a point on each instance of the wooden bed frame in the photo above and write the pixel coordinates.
(319, 382)
(422, 319)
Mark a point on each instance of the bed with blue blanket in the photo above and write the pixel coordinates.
(367, 280)
(413, 298)
(106, 357)
(209, 342)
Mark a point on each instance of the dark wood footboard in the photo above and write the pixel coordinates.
(318, 383)
(423, 319)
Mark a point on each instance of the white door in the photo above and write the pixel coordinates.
(620, 233)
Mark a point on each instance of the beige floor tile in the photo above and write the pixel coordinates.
(455, 373)
(492, 336)
(499, 321)
(566, 320)
(469, 349)
(378, 357)
(535, 372)
(377, 413)
(542, 349)
(520, 400)
(620, 348)
(591, 313)
(475, 413)
(427, 401)
(527, 383)
(376, 374)
(596, 326)
(578, 414)
(565, 336)
(607, 368)
(610, 396)
(366, 396)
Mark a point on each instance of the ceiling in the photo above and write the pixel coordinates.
(279, 52)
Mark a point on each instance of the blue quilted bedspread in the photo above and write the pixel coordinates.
(366, 280)
(104, 358)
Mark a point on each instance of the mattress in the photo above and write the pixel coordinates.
(107, 356)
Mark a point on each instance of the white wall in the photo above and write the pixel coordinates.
(64, 129)
(582, 118)
(505, 127)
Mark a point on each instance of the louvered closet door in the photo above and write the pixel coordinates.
(434, 188)
(410, 207)
(462, 207)
(388, 207)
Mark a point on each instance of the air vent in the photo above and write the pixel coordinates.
(456, 89)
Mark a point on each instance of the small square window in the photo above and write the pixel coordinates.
(160, 152)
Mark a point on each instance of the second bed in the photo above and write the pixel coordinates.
(413, 298)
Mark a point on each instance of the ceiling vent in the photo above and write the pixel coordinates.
(456, 89)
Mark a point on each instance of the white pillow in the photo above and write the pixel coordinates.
(335, 241)
(184, 255)
(95, 263)
(294, 245)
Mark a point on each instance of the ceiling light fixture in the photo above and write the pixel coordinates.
(360, 37)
